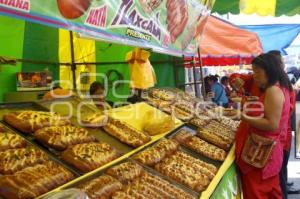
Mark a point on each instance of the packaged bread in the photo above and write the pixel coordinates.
(156, 124)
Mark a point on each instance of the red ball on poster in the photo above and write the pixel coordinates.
(72, 9)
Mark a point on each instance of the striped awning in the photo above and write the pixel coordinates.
(260, 7)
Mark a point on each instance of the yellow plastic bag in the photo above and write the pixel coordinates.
(154, 124)
(142, 74)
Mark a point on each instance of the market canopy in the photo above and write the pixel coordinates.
(221, 38)
(223, 44)
(283, 34)
(260, 7)
(164, 26)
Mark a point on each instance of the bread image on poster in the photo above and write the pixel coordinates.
(177, 18)
(150, 5)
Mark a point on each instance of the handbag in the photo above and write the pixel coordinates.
(257, 150)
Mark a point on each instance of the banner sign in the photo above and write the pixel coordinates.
(229, 186)
(166, 26)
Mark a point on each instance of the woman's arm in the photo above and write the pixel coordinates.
(273, 104)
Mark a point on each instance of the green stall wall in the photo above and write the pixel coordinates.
(11, 45)
(106, 52)
(41, 44)
(165, 72)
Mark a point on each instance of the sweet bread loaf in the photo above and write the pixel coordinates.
(218, 134)
(9, 140)
(221, 129)
(126, 172)
(187, 170)
(14, 160)
(89, 156)
(30, 121)
(157, 152)
(214, 139)
(163, 187)
(163, 94)
(188, 107)
(102, 187)
(2, 129)
(150, 186)
(95, 120)
(200, 146)
(34, 181)
(126, 133)
(159, 103)
(60, 137)
(232, 124)
(200, 122)
(182, 115)
(130, 194)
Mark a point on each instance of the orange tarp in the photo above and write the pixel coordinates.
(221, 38)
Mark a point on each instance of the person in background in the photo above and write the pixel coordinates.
(218, 92)
(57, 92)
(270, 78)
(243, 85)
(286, 187)
(225, 83)
(206, 88)
(297, 132)
(97, 94)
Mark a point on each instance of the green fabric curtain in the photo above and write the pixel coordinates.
(41, 44)
(11, 45)
(283, 7)
(113, 53)
(165, 72)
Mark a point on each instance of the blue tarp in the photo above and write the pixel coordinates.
(275, 36)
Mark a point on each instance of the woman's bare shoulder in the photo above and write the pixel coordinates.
(274, 91)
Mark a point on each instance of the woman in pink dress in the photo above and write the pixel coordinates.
(270, 120)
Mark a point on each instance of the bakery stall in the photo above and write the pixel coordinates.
(142, 150)
(87, 151)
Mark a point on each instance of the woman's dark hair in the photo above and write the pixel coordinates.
(95, 86)
(273, 69)
(224, 79)
(56, 86)
(206, 86)
(275, 52)
(213, 78)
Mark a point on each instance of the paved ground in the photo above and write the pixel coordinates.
(294, 171)
(294, 164)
